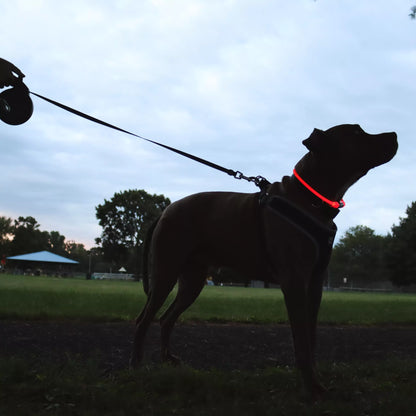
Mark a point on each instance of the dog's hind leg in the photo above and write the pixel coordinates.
(190, 286)
(157, 297)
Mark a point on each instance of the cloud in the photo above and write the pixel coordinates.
(239, 83)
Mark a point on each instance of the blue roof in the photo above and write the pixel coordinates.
(44, 256)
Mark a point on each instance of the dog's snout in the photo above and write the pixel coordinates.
(388, 146)
(395, 143)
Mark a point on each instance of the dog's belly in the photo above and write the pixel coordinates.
(213, 229)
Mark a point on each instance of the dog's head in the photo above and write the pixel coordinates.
(349, 143)
(345, 153)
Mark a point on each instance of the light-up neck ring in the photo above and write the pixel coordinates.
(332, 204)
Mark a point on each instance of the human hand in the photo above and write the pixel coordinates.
(9, 73)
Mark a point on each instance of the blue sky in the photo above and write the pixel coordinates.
(240, 83)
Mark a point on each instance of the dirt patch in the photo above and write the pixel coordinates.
(202, 346)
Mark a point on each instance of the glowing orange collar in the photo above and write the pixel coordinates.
(332, 204)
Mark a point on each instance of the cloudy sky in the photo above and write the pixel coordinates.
(238, 82)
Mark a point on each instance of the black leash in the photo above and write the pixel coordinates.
(259, 181)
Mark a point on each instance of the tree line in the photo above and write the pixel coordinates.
(124, 219)
(24, 236)
(361, 257)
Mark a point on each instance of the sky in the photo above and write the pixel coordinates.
(240, 83)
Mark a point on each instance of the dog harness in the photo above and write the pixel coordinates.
(322, 236)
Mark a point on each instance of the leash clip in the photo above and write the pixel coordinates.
(259, 181)
(341, 204)
(239, 175)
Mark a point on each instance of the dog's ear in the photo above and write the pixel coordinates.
(316, 141)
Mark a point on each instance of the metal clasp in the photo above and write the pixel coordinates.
(259, 181)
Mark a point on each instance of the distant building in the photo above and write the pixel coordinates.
(42, 262)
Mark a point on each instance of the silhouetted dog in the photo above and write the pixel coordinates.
(283, 234)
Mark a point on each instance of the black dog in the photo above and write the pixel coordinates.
(283, 235)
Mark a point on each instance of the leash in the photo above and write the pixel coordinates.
(259, 181)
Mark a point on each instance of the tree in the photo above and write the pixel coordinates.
(401, 253)
(358, 256)
(27, 236)
(77, 251)
(6, 230)
(125, 219)
(56, 243)
(413, 12)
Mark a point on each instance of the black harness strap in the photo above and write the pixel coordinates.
(321, 235)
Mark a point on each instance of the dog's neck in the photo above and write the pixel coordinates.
(292, 189)
(325, 177)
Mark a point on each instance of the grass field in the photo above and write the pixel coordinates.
(76, 387)
(45, 298)
(371, 389)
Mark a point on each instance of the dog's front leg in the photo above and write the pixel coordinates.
(296, 299)
(314, 302)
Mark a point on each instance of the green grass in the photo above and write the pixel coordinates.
(27, 297)
(45, 298)
(379, 389)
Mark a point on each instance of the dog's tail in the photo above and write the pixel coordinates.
(146, 252)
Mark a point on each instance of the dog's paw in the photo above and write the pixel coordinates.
(171, 359)
(314, 393)
(134, 362)
(318, 392)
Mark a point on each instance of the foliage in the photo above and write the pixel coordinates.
(6, 230)
(125, 218)
(363, 257)
(401, 253)
(25, 236)
(56, 243)
(358, 257)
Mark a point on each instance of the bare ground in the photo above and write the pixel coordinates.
(200, 345)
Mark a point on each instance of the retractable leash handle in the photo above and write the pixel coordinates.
(258, 180)
(16, 106)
